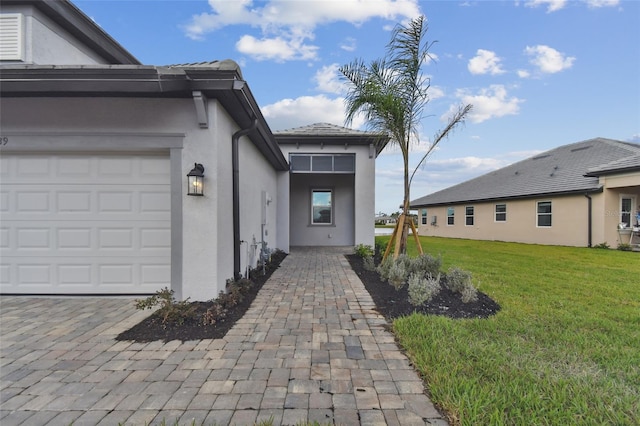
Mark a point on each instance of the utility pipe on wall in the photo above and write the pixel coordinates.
(236, 194)
(590, 219)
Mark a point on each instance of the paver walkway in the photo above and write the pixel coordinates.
(310, 348)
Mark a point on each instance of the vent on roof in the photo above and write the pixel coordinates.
(582, 148)
(11, 37)
(541, 156)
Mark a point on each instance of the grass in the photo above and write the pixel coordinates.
(564, 349)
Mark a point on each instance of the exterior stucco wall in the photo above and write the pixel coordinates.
(256, 177)
(341, 231)
(354, 199)
(46, 43)
(202, 231)
(569, 222)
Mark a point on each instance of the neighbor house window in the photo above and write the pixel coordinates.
(450, 216)
(424, 216)
(544, 213)
(468, 215)
(501, 212)
(625, 210)
(321, 207)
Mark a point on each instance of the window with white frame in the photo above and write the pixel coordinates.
(468, 216)
(451, 216)
(424, 216)
(321, 207)
(626, 205)
(501, 212)
(544, 214)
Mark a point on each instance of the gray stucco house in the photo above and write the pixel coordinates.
(581, 194)
(95, 149)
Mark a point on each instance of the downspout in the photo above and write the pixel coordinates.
(236, 194)
(590, 219)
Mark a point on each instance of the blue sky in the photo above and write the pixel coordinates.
(539, 73)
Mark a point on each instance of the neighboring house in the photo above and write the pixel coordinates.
(95, 149)
(385, 220)
(574, 195)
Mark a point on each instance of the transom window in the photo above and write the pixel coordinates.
(451, 216)
(322, 163)
(321, 207)
(544, 214)
(501, 212)
(468, 216)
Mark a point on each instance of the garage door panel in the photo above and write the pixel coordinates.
(85, 224)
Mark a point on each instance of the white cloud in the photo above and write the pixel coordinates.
(328, 80)
(278, 49)
(548, 60)
(491, 102)
(602, 3)
(552, 5)
(523, 73)
(555, 5)
(290, 113)
(485, 62)
(436, 92)
(348, 44)
(287, 25)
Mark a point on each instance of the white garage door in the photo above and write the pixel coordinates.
(84, 224)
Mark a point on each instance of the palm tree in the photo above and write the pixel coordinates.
(392, 93)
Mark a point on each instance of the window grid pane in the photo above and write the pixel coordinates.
(424, 216)
(501, 212)
(450, 216)
(469, 216)
(544, 213)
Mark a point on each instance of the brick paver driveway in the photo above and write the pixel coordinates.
(310, 348)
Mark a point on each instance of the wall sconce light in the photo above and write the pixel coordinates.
(195, 184)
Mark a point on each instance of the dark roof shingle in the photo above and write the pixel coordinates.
(572, 168)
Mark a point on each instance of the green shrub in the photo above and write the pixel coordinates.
(169, 308)
(602, 246)
(384, 267)
(427, 264)
(362, 250)
(368, 263)
(625, 247)
(422, 289)
(459, 281)
(469, 294)
(397, 275)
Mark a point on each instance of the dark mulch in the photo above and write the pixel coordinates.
(390, 302)
(394, 303)
(152, 328)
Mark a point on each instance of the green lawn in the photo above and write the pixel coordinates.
(564, 349)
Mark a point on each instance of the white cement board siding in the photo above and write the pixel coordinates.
(84, 223)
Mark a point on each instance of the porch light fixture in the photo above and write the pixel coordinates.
(195, 184)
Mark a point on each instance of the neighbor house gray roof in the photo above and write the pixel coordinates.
(568, 169)
(330, 134)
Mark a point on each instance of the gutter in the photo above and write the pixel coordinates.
(589, 220)
(235, 139)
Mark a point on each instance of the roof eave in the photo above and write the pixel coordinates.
(596, 190)
(144, 81)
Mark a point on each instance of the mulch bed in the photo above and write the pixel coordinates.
(152, 328)
(392, 303)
